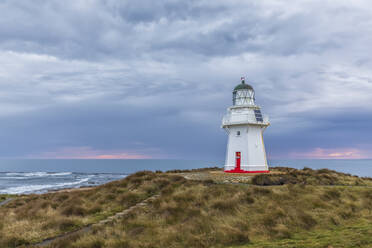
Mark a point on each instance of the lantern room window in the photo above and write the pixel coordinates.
(243, 94)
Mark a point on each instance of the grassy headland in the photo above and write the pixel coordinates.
(286, 208)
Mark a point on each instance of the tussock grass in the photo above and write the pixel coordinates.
(356, 234)
(189, 213)
(32, 218)
(200, 214)
(309, 177)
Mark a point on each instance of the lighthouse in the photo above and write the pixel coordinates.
(244, 125)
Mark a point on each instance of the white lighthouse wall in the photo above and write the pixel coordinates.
(256, 147)
(236, 144)
(250, 144)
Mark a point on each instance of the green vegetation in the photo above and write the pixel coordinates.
(284, 175)
(346, 236)
(32, 218)
(313, 208)
(4, 197)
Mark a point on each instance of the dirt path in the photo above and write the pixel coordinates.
(217, 176)
(221, 177)
(88, 228)
(6, 201)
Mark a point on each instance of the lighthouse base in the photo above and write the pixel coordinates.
(244, 171)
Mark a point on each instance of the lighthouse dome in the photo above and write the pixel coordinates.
(243, 86)
(243, 94)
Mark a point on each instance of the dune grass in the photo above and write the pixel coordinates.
(32, 218)
(285, 175)
(205, 214)
(191, 213)
(357, 234)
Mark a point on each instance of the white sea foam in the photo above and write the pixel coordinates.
(28, 174)
(41, 187)
(17, 178)
(36, 174)
(60, 174)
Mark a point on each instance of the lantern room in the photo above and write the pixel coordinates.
(243, 94)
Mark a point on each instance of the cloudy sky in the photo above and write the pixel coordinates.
(152, 79)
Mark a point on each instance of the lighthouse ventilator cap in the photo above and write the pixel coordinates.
(243, 86)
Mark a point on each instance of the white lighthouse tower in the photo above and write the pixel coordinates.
(244, 125)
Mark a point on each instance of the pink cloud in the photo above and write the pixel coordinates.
(90, 153)
(333, 153)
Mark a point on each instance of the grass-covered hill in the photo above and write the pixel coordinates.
(286, 208)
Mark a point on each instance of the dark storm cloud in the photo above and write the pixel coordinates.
(155, 77)
(127, 29)
(120, 127)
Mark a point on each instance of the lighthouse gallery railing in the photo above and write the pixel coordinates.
(236, 119)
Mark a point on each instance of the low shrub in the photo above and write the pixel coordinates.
(237, 237)
(281, 231)
(345, 214)
(92, 243)
(184, 198)
(161, 182)
(173, 214)
(307, 220)
(74, 210)
(266, 180)
(225, 205)
(94, 209)
(66, 225)
(257, 191)
(332, 194)
(247, 198)
(129, 198)
(61, 197)
(15, 242)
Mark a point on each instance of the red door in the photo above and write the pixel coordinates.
(237, 161)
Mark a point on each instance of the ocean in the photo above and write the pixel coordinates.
(26, 176)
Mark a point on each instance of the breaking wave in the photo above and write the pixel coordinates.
(41, 182)
(37, 174)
